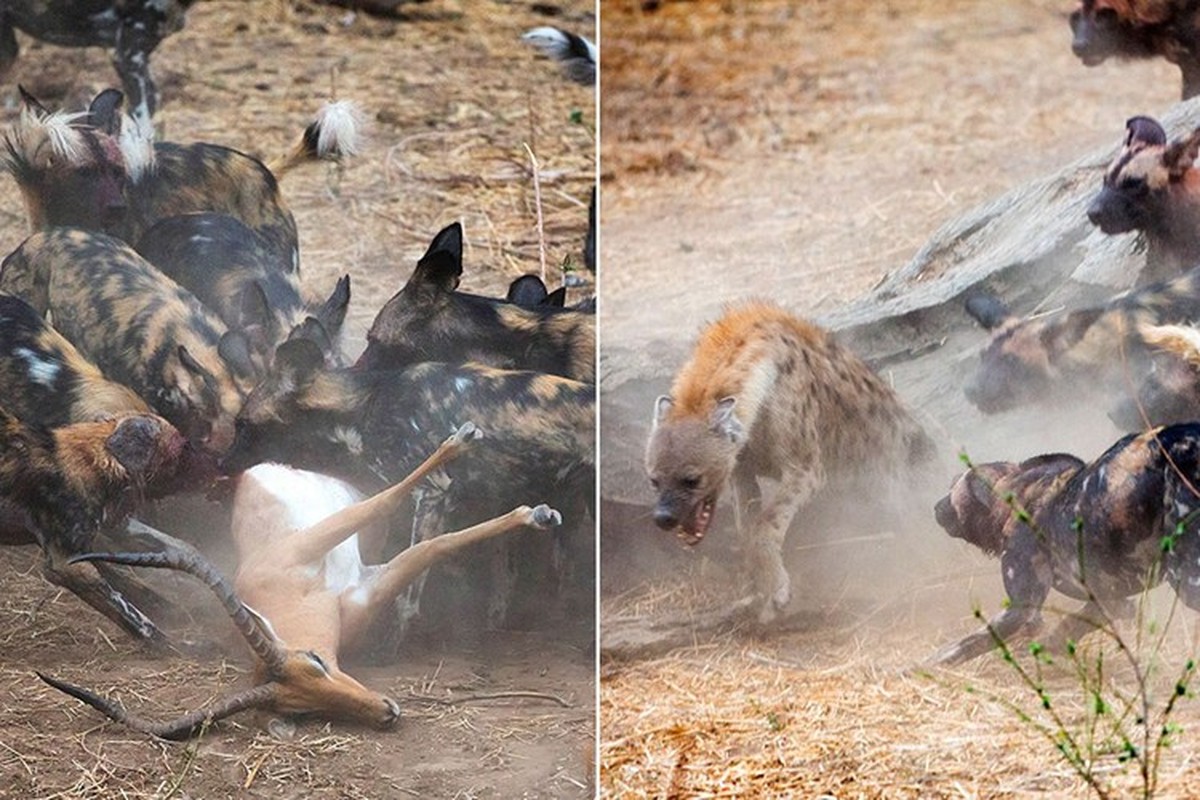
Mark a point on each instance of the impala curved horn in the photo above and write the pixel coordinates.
(180, 728)
(253, 627)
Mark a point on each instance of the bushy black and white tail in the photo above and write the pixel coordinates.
(575, 53)
(335, 134)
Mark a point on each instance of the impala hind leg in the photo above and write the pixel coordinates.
(313, 543)
(390, 580)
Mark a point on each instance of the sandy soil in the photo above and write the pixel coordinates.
(802, 151)
(452, 98)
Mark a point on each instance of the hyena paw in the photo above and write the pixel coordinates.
(544, 516)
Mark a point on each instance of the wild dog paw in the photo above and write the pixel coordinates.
(543, 516)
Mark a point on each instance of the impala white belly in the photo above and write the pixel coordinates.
(306, 498)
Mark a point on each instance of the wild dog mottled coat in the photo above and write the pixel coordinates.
(133, 28)
(1153, 186)
(766, 394)
(1094, 349)
(45, 381)
(63, 487)
(428, 320)
(138, 326)
(100, 171)
(539, 437)
(1087, 530)
(1170, 29)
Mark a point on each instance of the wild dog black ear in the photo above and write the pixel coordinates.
(988, 310)
(662, 405)
(133, 443)
(1057, 338)
(441, 266)
(557, 298)
(312, 330)
(332, 312)
(725, 422)
(1181, 154)
(193, 366)
(527, 290)
(104, 113)
(235, 349)
(31, 103)
(1144, 131)
(297, 361)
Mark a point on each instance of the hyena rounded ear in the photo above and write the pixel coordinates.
(725, 422)
(133, 441)
(662, 405)
(1144, 131)
(1181, 154)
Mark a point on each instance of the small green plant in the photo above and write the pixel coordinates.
(1124, 712)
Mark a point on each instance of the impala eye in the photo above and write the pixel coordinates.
(317, 660)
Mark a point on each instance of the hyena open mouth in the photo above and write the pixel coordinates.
(693, 534)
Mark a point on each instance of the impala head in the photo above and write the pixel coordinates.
(289, 681)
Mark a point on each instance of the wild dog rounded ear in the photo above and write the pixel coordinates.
(662, 405)
(1181, 154)
(104, 113)
(133, 442)
(441, 266)
(312, 330)
(725, 422)
(297, 361)
(988, 310)
(1144, 131)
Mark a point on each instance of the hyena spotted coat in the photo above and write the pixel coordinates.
(766, 394)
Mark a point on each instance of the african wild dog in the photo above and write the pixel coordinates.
(1096, 349)
(64, 487)
(133, 28)
(45, 382)
(229, 268)
(367, 425)
(138, 326)
(576, 54)
(530, 291)
(1154, 187)
(766, 394)
(1103, 29)
(289, 525)
(1095, 532)
(100, 171)
(427, 320)
(1170, 391)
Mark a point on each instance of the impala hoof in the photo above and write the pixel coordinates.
(467, 432)
(544, 516)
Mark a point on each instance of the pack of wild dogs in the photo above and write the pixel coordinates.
(768, 396)
(156, 338)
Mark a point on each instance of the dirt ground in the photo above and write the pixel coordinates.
(451, 98)
(802, 151)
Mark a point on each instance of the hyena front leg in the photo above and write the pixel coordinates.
(771, 580)
(747, 498)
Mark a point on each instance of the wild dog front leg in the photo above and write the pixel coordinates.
(387, 583)
(1027, 578)
(768, 531)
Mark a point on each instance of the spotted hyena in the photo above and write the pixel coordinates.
(766, 394)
